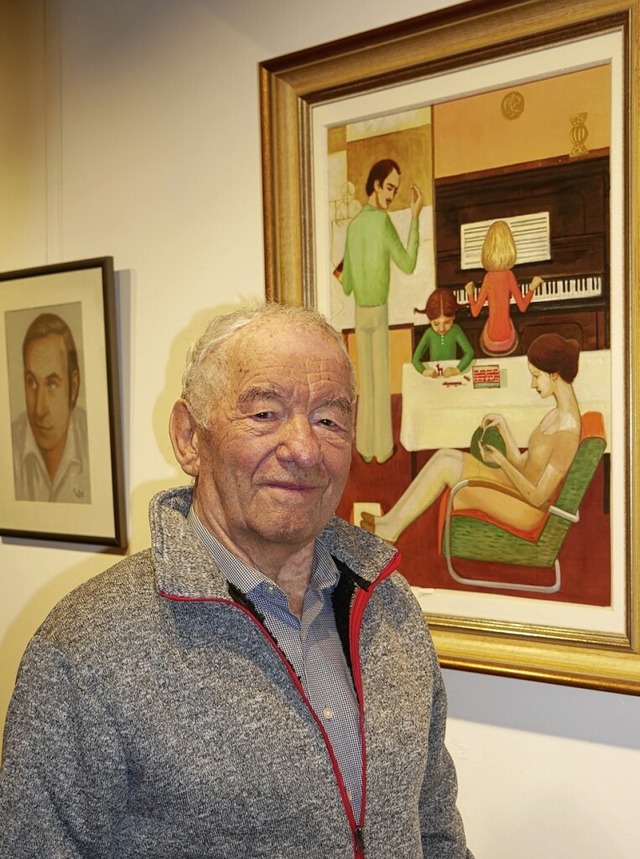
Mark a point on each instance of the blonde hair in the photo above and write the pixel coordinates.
(207, 368)
(499, 248)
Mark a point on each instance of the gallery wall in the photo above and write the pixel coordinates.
(131, 128)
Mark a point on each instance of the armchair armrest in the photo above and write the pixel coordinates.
(508, 491)
(511, 492)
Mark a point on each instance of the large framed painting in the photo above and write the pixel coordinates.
(61, 421)
(458, 194)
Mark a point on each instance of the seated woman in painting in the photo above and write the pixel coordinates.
(535, 473)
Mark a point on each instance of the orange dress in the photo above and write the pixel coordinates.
(499, 335)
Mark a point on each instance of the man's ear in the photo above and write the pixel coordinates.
(183, 432)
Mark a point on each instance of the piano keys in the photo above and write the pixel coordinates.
(553, 289)
(574, 300)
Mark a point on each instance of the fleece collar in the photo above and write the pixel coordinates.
(185, 569)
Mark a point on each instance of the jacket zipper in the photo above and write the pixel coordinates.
(359, 605)
(357, 613)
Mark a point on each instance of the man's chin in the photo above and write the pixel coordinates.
(294, 533)
(45, 444)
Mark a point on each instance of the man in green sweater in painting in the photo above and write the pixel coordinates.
(372, 244)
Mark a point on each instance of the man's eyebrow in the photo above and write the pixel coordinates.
(343, 403)
(49, 377)
(252, 395)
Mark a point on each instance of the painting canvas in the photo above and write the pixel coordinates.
(480, 164)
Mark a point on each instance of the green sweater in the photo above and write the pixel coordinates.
(443, 347)
(372, 242)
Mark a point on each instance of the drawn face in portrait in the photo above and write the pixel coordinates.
(50, 393)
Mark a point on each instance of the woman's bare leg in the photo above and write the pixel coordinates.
(443, 469)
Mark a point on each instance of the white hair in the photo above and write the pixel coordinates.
(207, 369)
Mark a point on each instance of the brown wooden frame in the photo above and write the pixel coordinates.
(88, 285)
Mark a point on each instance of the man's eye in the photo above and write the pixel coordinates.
(263, 416)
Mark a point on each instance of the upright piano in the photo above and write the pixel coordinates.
(574, 300)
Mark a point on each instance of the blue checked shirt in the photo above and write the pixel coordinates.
(311, 644)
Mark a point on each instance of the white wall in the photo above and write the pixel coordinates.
(136, 133)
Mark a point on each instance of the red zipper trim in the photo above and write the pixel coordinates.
(356, 830)
(359, 605)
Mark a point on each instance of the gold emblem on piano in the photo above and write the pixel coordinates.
(579, 134)
(513, 105)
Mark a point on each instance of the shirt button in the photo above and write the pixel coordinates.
(327, 713)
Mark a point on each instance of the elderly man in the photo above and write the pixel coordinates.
(261, 682)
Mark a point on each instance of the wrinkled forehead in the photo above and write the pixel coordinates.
(278, 347)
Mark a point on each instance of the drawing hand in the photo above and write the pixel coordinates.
(451, 371)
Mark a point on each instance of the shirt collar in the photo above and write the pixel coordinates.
(324, 573)
(71, 453)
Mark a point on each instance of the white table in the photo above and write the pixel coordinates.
(436, 414)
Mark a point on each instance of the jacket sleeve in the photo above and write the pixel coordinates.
(63, 779)
(442, 829)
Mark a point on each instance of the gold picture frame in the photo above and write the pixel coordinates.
(298, 94)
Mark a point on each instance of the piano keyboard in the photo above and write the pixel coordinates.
(553, 289)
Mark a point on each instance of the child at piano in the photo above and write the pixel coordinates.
(499, 254)
(443, 336)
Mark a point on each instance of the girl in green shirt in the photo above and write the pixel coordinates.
(443, 336)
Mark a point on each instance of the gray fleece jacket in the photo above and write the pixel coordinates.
(154, 717)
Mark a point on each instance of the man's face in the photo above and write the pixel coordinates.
(386, 191)
(47, 392)
(275, 458)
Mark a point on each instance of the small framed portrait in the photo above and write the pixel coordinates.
(61, 420)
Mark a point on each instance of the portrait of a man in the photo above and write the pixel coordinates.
(49, 438)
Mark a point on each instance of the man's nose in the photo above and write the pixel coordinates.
(42, 406)
(298, 442)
